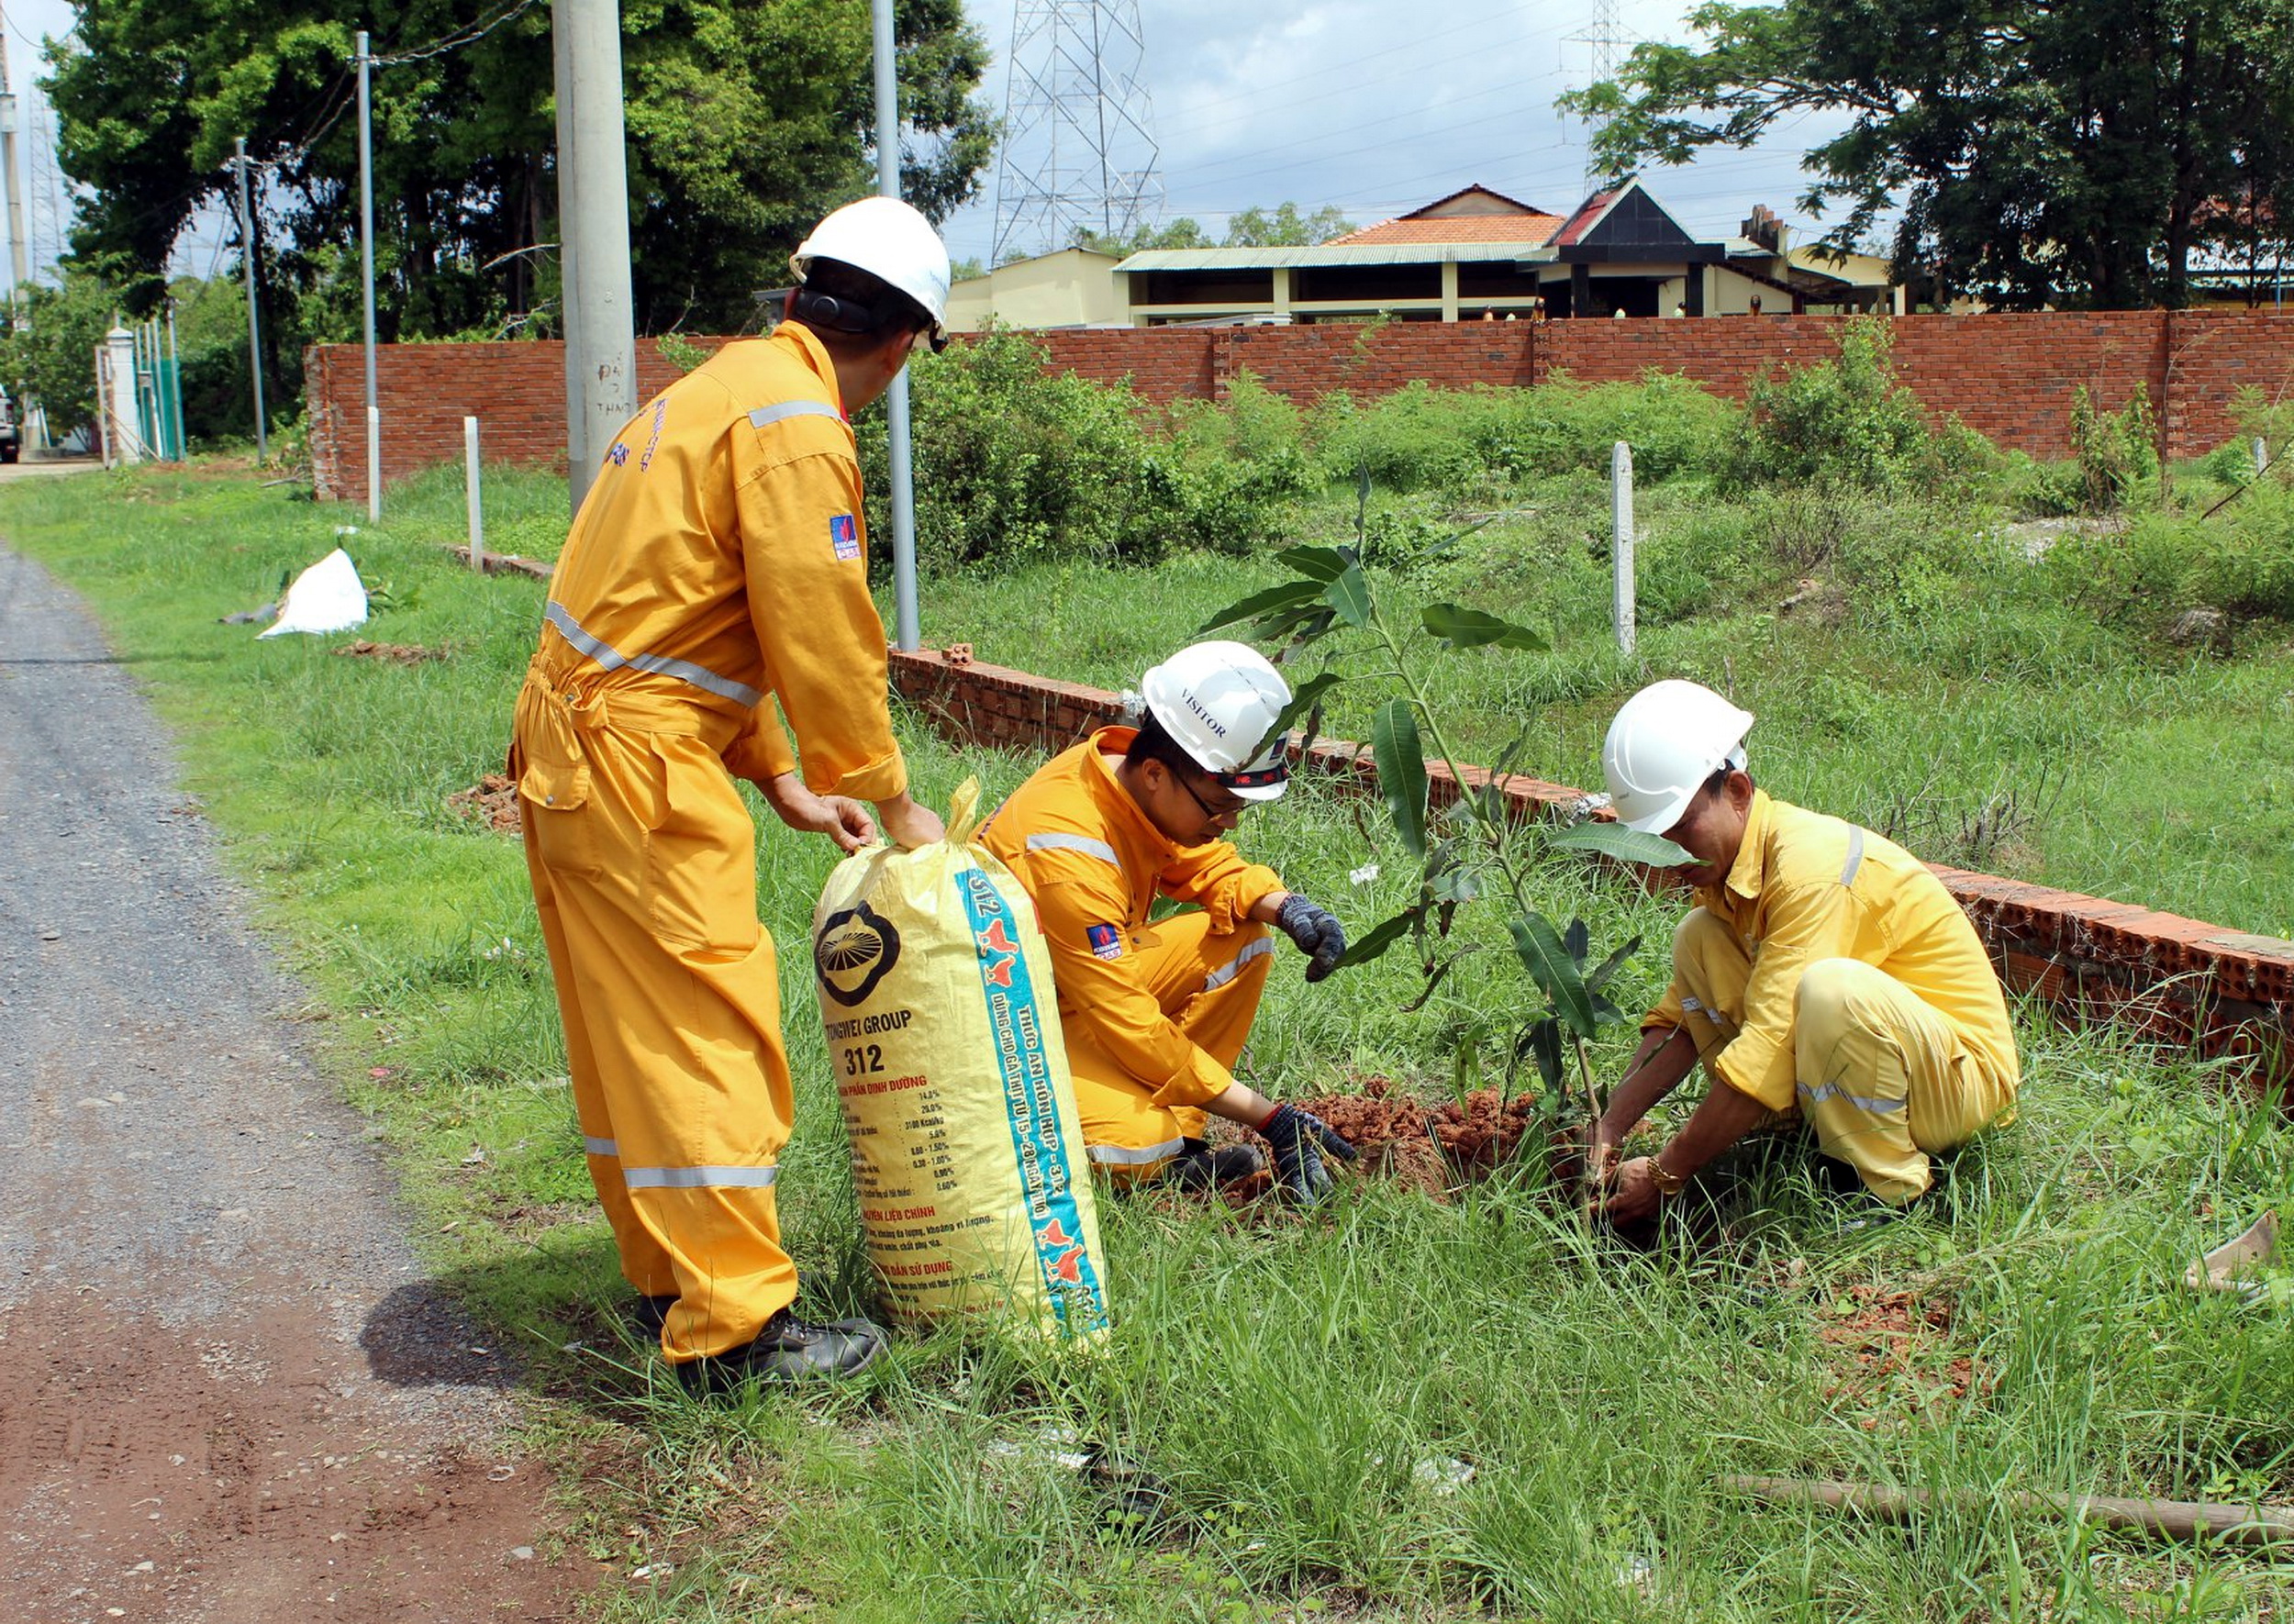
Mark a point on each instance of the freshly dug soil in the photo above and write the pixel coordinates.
(1433, 1148)
(394, 653)
(492, 802)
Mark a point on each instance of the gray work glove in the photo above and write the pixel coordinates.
(1317, 931)
(1298, 1139)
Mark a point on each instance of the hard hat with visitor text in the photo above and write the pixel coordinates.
(889, 239)
(1664, 743)
(1219, 701)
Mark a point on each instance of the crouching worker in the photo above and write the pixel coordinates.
(1155, 1014)
(1825, 972)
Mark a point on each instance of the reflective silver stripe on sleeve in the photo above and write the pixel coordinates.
(698, 1178)
(1083, 844)
(1143, 1156)
(612, 659)
(1227, 973)
(776, 413)
(600, 1146)
(1855, 856)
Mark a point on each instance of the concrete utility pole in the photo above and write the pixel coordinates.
(906, 632)
(17, 254)
(1621, 600)
(254, 327)
(366, 263)
(593, 209)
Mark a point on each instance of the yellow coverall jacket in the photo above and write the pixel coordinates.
(1830, 973)
(1155, 1014)
(717, 564)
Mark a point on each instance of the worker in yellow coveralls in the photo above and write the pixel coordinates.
(1156, 1012)
(717, 566)
(1824, 973)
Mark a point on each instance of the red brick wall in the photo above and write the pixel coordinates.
(2169, 978)
(2010, 376)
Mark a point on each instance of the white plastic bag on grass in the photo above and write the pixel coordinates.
(329, 597)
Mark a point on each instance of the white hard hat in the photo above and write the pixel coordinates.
(1664, 743)
(889, 239)
(1219, 701)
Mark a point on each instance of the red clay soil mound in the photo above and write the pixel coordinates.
(1430, 1148)
(394, 653)
(491, 803)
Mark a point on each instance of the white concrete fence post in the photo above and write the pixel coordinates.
(1621, 476)
(119, 401)
(470, 494)
(2261, 456)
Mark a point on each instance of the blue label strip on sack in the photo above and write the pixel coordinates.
(1032, 1110)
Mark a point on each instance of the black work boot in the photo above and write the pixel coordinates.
(788, 1349)
(646, 1316)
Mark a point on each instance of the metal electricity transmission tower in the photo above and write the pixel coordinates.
(1080, 148)
(1605, 34)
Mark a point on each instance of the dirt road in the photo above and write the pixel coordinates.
(226, 1391)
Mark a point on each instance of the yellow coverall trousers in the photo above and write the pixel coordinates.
(1209, 988)
(644, 870)
(1881, 1077)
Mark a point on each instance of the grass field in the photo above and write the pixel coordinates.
(1393, 1409)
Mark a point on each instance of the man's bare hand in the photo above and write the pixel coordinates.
(1634, 1197)
(909, 824)
(843, 820)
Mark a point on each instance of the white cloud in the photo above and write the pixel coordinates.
(1380, 105)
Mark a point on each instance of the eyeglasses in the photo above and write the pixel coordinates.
(1209, 811)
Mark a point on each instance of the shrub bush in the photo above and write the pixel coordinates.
(1847, 423)
(1013, 465)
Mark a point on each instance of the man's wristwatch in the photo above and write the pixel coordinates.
(1668, 1183)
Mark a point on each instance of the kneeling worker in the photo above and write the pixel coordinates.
(1825, 973)
(1155, 1014)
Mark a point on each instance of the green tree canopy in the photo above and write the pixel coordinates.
(2066, 151)
(745, 124)
(1252, 228)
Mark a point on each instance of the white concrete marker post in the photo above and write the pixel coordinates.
(2261, 456)
(119, 425)
(1620, 476)
(470, 494)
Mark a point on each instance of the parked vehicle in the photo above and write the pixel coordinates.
(11, 437)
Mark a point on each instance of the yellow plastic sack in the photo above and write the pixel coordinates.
(944, 1035)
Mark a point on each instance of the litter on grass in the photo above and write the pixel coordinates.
(2239, 1264)
(329, 597)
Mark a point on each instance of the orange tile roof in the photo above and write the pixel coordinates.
(1526, 229)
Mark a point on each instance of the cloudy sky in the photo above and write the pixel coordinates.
(1373, 106)
(1381, 106)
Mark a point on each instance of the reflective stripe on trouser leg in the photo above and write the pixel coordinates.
(668, 979)
(1211, 987)
(1882, 1076)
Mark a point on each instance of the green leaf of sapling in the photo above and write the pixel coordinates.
(1614, 840)
(1549, 964)
(1469, 628)
(1401, 771)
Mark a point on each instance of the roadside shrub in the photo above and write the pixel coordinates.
(1674, 425)
(1847, 423)
(1417, 439)
(2249, 567)
(2116, 452)
(1015, 466)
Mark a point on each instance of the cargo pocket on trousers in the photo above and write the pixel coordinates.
(700, 852)
(553, 785)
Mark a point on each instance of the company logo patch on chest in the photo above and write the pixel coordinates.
(844, 533)
(1106, 941)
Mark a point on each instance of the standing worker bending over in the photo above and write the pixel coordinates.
(717, 565)
(1155, 1014)
(1824, 972)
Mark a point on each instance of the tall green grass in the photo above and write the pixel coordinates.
(1392, 1408)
